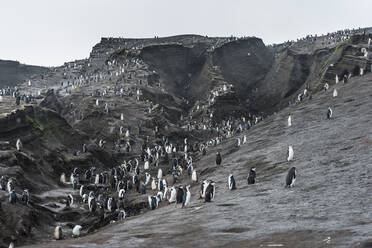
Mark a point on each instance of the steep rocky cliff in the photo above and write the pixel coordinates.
(177, 65)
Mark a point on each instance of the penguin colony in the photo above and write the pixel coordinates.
(104, 193)
(129, 176)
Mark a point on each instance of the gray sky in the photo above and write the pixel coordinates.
(50, 32)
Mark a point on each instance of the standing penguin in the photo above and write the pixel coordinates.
(92, 205)
(147, 178)
(329, 113)
(291, 177)
(335, 94)
(160, 174)
(83, 190)
(290, 153)
(121, 215)
(231, 182)
(70, 200)
(165, 188)
(120, 186)
(160, 185)
(218, 158)
(194, 176)
(25, 196)
(76, 230)
(90, 199)
(173, 194)
(121, 194)
(96, 180)
(244, 139)
(326, 86)
(85, 198)
(160, 195)
(12, 197)
(3, 183)
(63, 178)
(153, 202)
(153, 184)
(136, 183)
(289, 120)
(203, 188)
(238, 142)
(85, 149)
(75, 183)
(19, 145)
(210, 192)
(146, 165)
(143, 189)
(10, 185)
(58, 233)
(165, 183)
(186, 197)
(189, 169)
(252, 176)
(111, 205)
(179, 197)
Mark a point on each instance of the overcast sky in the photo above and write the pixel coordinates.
(50, 32)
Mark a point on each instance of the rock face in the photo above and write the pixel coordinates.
(348, 59)
(243, 63)
(265, 79)
(48, 144)
(51, 101)
(177, 65)
(287, 75)
(191, 72)
(12, 72)
(42, 132)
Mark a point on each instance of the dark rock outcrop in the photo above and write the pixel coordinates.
(51, 101)
(12, 72)
(243, 63)
(176, 64)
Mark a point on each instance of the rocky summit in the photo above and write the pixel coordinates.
(191, 141)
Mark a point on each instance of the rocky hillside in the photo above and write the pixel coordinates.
(49, 145)
(140, 105)
(328, 206)
(13, 73)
